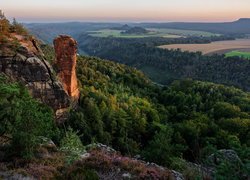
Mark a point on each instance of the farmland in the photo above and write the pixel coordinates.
(219, 47)
(183, 33)
(166, 33)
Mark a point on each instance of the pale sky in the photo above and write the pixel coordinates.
(125, 10)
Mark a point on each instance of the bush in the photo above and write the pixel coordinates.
(72, 145)
(23, 118)
(33, 120)
(160, 149)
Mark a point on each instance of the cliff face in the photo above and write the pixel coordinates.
(28, 66)
(66, 48)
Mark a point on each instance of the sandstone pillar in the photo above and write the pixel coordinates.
(66, 49)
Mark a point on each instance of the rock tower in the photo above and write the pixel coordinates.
(66, 49)
(29, 67)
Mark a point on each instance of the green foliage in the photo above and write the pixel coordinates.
(228, 171)
(112, 113)
(22, 117)
(120, 107)
(230, 168)
(72, 145)
(226, 110)
(18, 28)
(4, 24)
(6, 27)
(163, 65)
(161, 149)
(8, 42)
(238, 54)
(32, 121)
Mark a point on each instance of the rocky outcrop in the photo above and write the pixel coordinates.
(223, 155)
(28, 66)
(66, 48)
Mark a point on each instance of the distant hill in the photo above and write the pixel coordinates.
(135, 30)
(123, 28)
(47, 31)
(241, 26)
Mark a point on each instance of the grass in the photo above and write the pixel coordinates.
(166, 33)
(239, 54)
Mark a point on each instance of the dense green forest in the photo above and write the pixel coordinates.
(186, 121)
(119, 106)
(164, 66)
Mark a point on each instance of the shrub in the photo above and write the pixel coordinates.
(23, 118)
(72, 145)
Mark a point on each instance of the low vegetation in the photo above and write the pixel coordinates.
(23, 119)
(238, 54)
(8, 42)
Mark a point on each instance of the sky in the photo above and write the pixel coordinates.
(126, 10)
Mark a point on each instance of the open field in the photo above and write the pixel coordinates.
(219, 47)
(183, 33)
(166, 33)
(239, 54)
(117, 34)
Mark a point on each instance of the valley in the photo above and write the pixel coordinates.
(152, 32)
(219, 47)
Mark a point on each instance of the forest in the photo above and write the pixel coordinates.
(163, 66)
(186, 121)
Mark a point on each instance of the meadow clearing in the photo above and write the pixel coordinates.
(238, 53)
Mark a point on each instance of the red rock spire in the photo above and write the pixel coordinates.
(66, 49)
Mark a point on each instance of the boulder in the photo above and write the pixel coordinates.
(228, 155)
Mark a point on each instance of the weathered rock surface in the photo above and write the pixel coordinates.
(228, 155)
(28, 66)
(37, 76)
(66, 49)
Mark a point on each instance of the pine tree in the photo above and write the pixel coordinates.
(4, 24)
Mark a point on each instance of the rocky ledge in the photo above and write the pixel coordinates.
(29, 66)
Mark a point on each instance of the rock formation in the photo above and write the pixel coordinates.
(66, 48)
(28, 66)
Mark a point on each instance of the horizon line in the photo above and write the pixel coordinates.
(121, 21)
